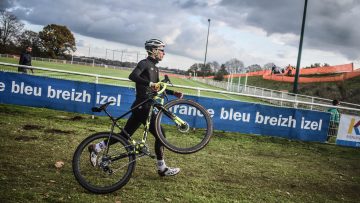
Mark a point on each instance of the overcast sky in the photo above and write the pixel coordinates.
(253, 31)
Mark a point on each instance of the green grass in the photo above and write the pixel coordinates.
(118, 73)
(232, 168)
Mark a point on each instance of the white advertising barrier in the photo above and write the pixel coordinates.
(349, 131)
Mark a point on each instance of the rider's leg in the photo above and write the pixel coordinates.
(163, 170)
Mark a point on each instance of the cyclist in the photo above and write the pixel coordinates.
(146, 77)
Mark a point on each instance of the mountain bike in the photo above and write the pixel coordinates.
(188, 128)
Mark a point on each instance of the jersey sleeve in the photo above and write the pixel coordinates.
(135, 74)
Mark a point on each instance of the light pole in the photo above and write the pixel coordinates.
(122, 54)
(295, 90)
(207, 40)
(106, 53)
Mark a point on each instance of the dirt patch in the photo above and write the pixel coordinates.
(57, 131)
(25, 138)
(32, 127)
(76, 118)
(219, 134)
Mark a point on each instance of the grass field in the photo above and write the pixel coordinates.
(119, 73)
(232, 168)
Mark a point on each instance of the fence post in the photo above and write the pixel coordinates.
(96, 82)
(198, 92)
(282, 97)
(312, 102)
(246, 77)
(295, 103)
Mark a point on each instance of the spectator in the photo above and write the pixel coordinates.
(334, 119)
(273, 69)
(25, 59)
(289, 70)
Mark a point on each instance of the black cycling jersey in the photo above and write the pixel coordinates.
(144, 73)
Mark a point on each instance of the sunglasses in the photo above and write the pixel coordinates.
(162, 50)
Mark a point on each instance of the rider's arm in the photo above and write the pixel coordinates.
(135, 75)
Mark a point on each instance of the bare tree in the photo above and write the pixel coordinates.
(234, 65)
(10, 29)
(269, 66)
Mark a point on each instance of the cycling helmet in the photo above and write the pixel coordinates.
(153, 43)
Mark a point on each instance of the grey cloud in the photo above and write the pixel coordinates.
(5, 4)
(330, 25)
(129, 22)
(188, 4)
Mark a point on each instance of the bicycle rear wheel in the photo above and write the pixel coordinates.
(188, 138)
(113, 170)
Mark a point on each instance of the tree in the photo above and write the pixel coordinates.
(57, 40)
(206, 70)
(194, 69)
(269, 66)
(10, 28)
(254, 68)
(31, 38)
(220, 74)
(234, 65)
(215, 66)
(315, 65)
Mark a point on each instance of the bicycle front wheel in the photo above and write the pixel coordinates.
(114, 164)
(184, 126)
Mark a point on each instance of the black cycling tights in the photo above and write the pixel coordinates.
(137, 118)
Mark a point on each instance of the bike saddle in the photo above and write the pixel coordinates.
(102, 107)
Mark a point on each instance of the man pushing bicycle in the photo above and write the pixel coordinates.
(146, 77)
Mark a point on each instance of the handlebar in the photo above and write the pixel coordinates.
(163, 86)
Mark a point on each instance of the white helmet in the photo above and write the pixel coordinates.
(153, 43)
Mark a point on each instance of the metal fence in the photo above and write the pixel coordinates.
(282, 98)
(91, 62)
(272, 97)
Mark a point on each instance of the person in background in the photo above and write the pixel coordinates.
(334, 119)
(25, 59)
(273, 69)
(289, 70)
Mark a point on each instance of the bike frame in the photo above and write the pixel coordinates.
(155, 104)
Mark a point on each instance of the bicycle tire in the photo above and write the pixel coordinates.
(194, 137)
(96, 179)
